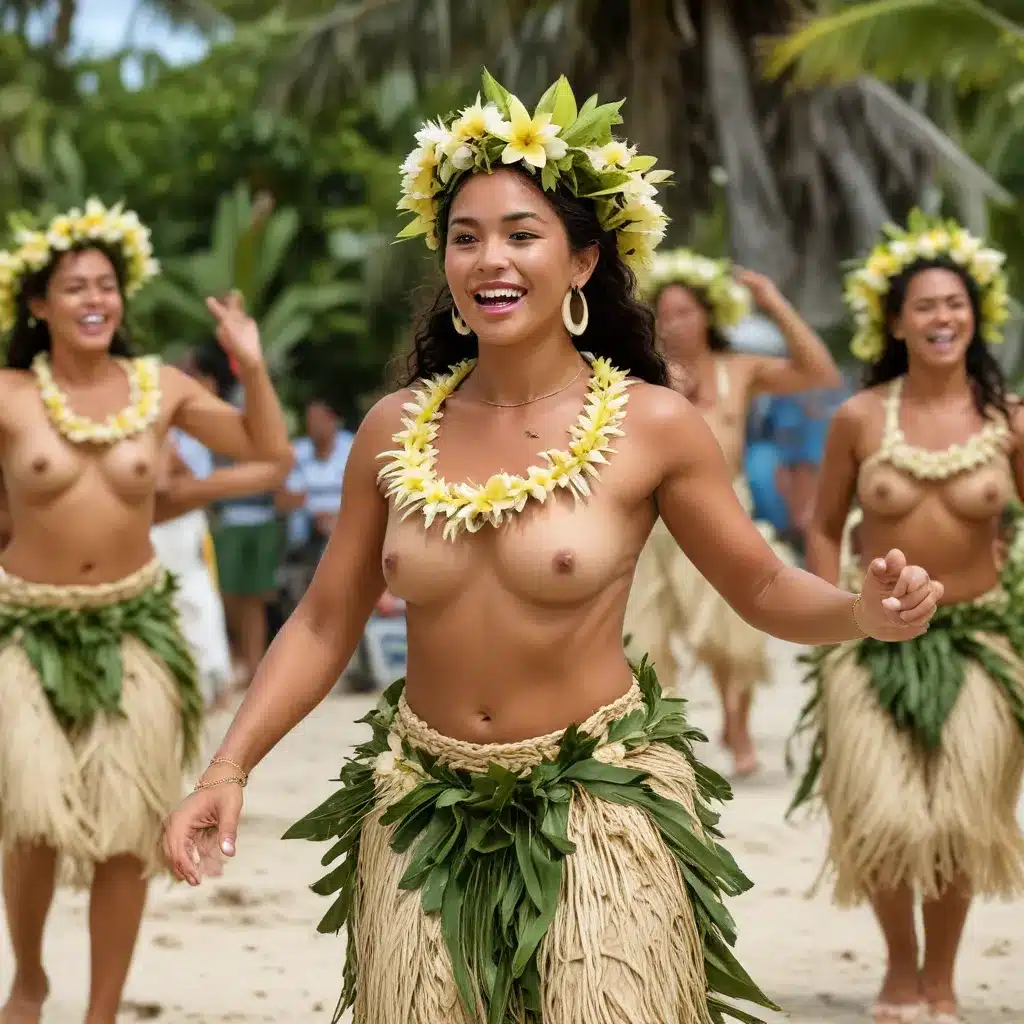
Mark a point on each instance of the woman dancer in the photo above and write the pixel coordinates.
(696, 300)
(98, 695)
(573, 875)
(918, 750)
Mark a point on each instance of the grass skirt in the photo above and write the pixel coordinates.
(92, 746)
(918, 755)
(569, 879)
(670, 597)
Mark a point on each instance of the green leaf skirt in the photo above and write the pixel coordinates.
(917, 753)
(100, 711)
(576, 877)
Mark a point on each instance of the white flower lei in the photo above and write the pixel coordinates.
(730, 301)
(561, 144)
(113, 226)
(141, 412)
(412, 479)
(867, 286)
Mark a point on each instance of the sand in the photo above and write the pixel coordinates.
(244, 948)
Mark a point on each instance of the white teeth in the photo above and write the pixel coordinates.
(93, 318)
(500, 293)
(941, 336)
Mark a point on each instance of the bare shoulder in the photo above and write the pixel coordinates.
(375, 435)
(16, 388)
(660, 419)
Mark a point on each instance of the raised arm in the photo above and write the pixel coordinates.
(698, 505)
(259, 433)
(834, 496)
(807, 363)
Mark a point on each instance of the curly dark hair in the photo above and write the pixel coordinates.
(621, 327)
(29, 336)
(986, 376)
(717, 341)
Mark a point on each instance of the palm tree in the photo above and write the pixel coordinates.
(968, 59)
(809, 175)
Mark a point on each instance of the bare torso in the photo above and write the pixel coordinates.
(721, 397)
(949, 525)
(79, 513)
(517, 630)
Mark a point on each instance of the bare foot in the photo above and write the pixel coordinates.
(900, 1001)
(25, 1003)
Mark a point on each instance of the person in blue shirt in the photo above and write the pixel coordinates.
(313, 490)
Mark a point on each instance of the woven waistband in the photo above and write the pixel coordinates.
(26, 594)
(478, 757)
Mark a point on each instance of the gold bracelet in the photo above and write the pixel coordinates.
(856, 620)
(220, 782)
(234, 764)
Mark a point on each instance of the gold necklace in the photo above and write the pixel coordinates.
(539, 398)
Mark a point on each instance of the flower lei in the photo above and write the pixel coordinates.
(412, 478)
(140, 413)
(563, 145)
(36, 249)
(931, 464)
(924, 238)
(729, 300)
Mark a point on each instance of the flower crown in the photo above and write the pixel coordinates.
(36, 249)
(729, 300)
(559, 143)
(923, 239)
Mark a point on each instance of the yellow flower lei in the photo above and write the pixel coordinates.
(924, 238)
(141, 412)
(557, 143)
(113, 226)
(412, 479)
(730, 301)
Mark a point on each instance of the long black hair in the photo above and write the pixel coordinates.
(717, 341)
(621, 327)
(986, 376)
(29, 336)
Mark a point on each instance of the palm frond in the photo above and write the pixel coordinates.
(900, 40)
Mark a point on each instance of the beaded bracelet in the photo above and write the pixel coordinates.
(856, 619)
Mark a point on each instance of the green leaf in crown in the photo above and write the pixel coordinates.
(560, 144)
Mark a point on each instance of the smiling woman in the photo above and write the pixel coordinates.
(919, 747)
(99, 705)
(527, 828)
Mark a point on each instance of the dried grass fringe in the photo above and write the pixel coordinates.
(106, 790)
(623, 947)
(670, 597)
(901, 815)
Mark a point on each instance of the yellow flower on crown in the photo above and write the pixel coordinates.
(36, 249)
(924, 238)
(558, 143)
(729, 300)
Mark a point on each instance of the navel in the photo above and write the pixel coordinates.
(565, 561)
(40, 464)
(88, 566)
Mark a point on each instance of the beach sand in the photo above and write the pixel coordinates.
(243, 948)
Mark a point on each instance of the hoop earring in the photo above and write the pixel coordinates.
(32, 321)
(574, 328)
(459, 324)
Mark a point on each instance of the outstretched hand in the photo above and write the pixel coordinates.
(897, 600)
(237, 332)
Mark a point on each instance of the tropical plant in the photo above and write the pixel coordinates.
(250, 243)
(809, 176)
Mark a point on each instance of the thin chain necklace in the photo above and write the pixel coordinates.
(539, 398)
